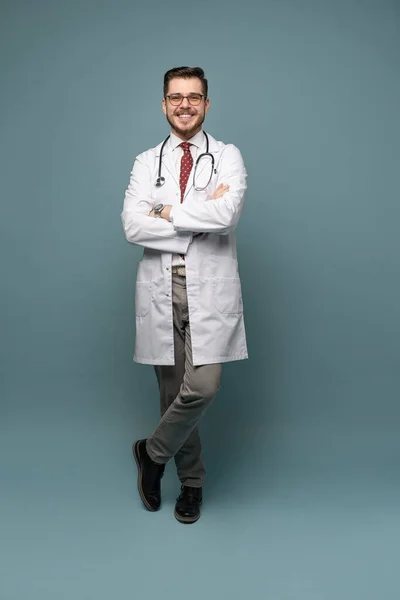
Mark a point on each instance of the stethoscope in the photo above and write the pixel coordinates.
(161, 180)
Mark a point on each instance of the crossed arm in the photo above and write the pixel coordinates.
(166, 211)
(179, 223)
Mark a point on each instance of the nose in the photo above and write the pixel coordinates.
(185, 102)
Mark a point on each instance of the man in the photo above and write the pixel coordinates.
(188, 301)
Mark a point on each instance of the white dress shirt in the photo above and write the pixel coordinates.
(196, 142)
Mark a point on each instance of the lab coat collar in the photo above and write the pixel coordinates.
(197, 140)
(199, 137)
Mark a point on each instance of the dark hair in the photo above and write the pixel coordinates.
(185, 73)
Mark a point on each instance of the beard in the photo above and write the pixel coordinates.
(184, 132)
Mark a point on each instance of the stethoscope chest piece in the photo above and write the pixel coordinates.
(160, 181)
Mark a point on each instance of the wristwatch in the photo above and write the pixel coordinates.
(158, 209)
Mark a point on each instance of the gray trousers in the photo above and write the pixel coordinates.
(186, 392)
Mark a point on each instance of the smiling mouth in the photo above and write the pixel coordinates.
(185, 116)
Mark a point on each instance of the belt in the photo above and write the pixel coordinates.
(179, 270)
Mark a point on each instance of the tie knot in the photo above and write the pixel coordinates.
(185, 146)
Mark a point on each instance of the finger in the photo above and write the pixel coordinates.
(222, 191)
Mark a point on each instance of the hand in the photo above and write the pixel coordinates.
(220, 191)
(165, 213)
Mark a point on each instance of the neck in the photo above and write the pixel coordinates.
(185, 137)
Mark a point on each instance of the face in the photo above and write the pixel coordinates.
(185, 120)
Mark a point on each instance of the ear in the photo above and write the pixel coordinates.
(207, 105)
(164, 106)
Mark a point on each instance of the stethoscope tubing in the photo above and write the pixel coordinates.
(161, 180)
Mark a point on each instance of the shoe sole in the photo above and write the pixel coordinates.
(139, 466)
(186, 520)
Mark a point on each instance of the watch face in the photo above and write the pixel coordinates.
(158, 207)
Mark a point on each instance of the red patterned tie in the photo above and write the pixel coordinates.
(186, 167)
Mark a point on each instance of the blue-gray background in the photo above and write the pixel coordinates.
(302, 445)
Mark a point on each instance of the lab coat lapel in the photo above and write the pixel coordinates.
(169, 164)
(167, 161)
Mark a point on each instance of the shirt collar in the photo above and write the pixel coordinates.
(196, 140)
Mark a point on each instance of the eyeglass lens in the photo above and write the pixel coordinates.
(176, 99)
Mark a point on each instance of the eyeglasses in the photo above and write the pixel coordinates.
(177, 99)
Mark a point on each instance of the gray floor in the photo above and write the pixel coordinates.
(279, 525)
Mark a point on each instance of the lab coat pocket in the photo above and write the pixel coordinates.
(143, 297)
(228, 295)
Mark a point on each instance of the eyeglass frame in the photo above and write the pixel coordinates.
(187, 96)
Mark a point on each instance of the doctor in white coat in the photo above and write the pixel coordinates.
(182, 205)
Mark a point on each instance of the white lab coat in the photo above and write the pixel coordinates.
(212, 276)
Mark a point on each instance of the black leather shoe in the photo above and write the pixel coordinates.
(149, 477)
(187, 507)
